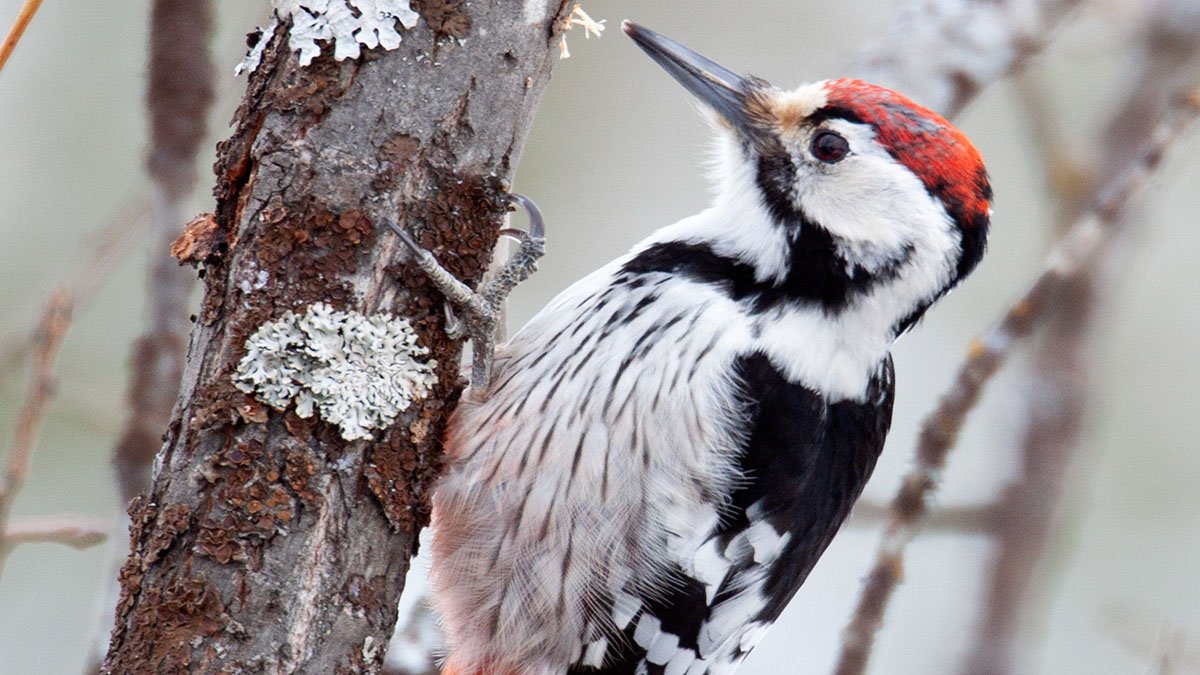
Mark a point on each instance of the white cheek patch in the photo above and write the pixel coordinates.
(868, 199)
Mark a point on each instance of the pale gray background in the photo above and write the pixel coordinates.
(615, 154)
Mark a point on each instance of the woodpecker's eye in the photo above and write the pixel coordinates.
(829, 146)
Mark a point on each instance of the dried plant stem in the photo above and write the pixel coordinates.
(1081, 246)
(47, 340)
(24, 16)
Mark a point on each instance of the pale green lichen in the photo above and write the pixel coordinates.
(347, 24)
(357, 372)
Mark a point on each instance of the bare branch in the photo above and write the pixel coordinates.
(943, 52)
(974, 519)
(179, 93)
(1058, 374)
(24, 16)
(76, 531)
(108, 248)
(48, 338)
(1081, 247)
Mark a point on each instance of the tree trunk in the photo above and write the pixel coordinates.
(268, 542)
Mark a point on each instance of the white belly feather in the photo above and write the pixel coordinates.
(551, 482)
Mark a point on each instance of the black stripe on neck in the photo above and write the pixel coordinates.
(817, 274)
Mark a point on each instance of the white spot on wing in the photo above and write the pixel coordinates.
(751, 635)
(625, 606)
(739, 549)
(664, 647)
(717, 635)
(593, 654)
(767, 543)
(680, 662)
(648, 630)
(709, 567)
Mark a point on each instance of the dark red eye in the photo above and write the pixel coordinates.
(829, 146)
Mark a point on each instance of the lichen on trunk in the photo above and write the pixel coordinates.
(269, 542)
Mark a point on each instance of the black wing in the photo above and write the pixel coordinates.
(805, 461)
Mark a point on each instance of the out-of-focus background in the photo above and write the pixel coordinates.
(615, 153)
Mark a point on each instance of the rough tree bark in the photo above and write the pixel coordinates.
(267, 542)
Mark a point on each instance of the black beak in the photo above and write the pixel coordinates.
(722, 89)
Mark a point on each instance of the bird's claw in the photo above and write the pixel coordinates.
(478, 312)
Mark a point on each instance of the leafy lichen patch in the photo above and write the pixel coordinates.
(348, 24)
(357, 372)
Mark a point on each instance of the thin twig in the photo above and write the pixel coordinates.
(48, 338)
(944, 53)
(24, 16)
(1070, 179)
(1058, 372)
(973, 519)
(1079, 248)
(109, 247)
(76, 531)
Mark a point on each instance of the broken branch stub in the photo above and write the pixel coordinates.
(270, 542)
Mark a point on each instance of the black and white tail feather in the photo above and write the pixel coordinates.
(658, 458)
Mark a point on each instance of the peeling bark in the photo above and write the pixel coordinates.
(268, 543)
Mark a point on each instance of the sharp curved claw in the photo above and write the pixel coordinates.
(405, 237)
(537, 225)
(519, 235)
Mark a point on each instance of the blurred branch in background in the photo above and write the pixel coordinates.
(1068, 261)
(48, 337)
(179, 94)
(76, 531)
(942, 53)
(107, 248)
(1057, 376)
(24, 16)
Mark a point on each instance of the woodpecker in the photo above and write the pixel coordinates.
(651, 467)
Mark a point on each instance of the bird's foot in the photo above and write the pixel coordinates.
(479, 313)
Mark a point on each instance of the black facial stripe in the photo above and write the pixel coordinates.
(817, 274)
(835, 113)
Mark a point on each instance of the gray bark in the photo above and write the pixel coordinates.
(267, 542)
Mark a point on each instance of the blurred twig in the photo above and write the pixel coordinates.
(24, 16)
(1058, 373)
(1080, 248)
(49, 336)
(179, 93)
(76, 531)
(943, 53)
(108, 248)
(1068, 177)
(974, 519)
